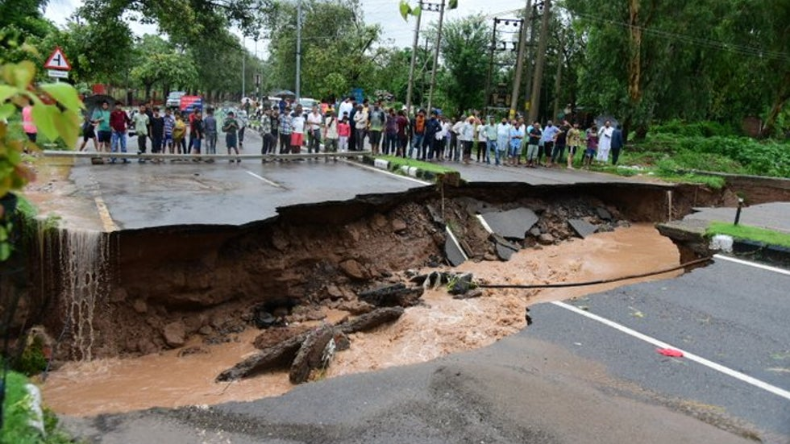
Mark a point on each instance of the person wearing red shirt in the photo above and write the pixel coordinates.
(118, 121)
(403, 139)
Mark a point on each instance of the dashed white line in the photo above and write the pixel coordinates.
(690, 356)
(752, 264)
(274, 184)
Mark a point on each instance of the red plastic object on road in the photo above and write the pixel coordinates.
(672, 353)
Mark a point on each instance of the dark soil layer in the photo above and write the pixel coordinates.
(170, 286)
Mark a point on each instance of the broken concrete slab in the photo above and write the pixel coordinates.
(582, 227)
(455, 255)
(511, 224)
(504, 248)
(503, 252)
(603, 213)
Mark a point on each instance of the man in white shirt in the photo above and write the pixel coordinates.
(314, 123)
(297, 130)
(502, 140)
(361, 125)
(604, 142)
(345, 108)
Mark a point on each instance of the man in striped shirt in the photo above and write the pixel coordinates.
(285, 131)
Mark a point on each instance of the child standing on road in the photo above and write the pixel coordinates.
(343, 132)
(592, 146)
(331, 135)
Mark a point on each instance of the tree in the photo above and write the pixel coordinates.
(335, 40)
(462, 51)
(161, 63)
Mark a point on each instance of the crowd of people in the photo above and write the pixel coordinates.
(287, 128)
(168, 132)
(352, 126)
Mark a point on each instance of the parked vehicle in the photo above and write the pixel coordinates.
(174, 99)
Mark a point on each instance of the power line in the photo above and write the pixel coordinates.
(716, 44)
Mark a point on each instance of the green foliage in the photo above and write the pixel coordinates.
(703, 60)
(425, 166)
(55, 118)
(739, 155)
(32, 361)
(768, 237)
(159, 62)
(464, 86)
(336, 44)
(16, 414)
(703, 128)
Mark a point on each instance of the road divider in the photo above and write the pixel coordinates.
(414, 168)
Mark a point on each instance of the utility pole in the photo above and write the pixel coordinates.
(530, 57)
(243, 67)
(413, 60)
(491, 65)
(435, 66)
(298, 49)
(540, 62)
(255, 74)
(522, 46)
(558, 82)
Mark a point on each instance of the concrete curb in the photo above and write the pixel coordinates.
(415, 172)
(692, 236)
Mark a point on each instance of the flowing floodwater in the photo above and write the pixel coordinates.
(440, 326)
(84, 264)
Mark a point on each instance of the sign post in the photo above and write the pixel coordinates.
(57, 65)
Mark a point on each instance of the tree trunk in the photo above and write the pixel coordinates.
(148, 87)
(781, 100)
(635, 56)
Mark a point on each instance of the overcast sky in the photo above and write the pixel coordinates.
(383, 12)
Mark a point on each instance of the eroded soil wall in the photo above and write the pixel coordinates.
(183, 281)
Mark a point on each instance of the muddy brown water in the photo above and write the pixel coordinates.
(439, 327)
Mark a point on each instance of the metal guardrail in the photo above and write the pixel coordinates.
(190, 157)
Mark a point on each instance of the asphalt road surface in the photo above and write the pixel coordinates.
(565, 379)
(180, 193)
(729, 313)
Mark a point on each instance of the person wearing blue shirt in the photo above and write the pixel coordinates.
(548, 141)
(516, 136)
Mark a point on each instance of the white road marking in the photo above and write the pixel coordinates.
(452, 236)
(690, 356)
(274, 184)
(752, 264)
(359, 165)
(484, 223)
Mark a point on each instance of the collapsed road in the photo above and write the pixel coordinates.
(171, 284)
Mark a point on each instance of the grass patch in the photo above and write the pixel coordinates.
(746, 232)
(425, 166)
(714, 182)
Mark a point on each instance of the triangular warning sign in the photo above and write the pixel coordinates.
(57, 61)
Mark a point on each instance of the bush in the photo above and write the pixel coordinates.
(703, 128)
(739, 155)
(16, 414)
